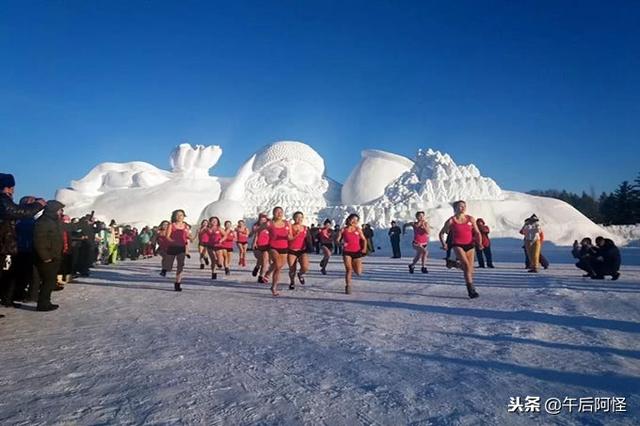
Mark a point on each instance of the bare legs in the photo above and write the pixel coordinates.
(278, 260)
(242, 249)
(351, 265)
(325, 260)
(421, 255)
(293, 261)
(466, 259)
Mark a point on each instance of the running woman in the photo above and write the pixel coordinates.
(420, 241)
(260, 247)
(203, 239)
(216, 235)
(298, 242)
(242, 232)
(279, 234)
(354, 247)
(178, 236)
(466, 237)
(326, 242)
(227, 246)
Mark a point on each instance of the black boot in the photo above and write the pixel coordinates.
(227, 271)
(425, 270)
(472, 292)
(47, 308)
(214, 276)
(176, 287)
(163, 273)
(255, 271)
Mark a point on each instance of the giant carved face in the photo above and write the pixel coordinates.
(288, 174)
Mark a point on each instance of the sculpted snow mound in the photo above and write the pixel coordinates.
(288, 174)
(376, 170)
(139, 193)
(382, 187)
(435, 178)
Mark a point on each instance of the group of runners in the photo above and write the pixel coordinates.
(279, 243)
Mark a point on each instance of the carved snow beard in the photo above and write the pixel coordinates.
(261, 196)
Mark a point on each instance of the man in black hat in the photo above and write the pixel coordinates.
(9, 213)
(48, 241)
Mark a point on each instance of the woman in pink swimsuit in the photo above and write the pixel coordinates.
(216, 235)
(354, 247)
(420, 241)
(297, 253)
(227, 246)
(203, 238)
(260, 247)
(279, 234)
(242, 232)
(465, 237)
(177, 236)
(326, 238)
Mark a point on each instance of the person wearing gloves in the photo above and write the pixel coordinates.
(10, 212)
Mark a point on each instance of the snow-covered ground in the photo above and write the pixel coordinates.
(403, 349)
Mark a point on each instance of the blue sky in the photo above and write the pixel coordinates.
(537, 94)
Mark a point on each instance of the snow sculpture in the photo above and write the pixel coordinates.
(139, 193)
(376, 170)
(383, 187)
(194, 162)
(288, 174)
(435, 178)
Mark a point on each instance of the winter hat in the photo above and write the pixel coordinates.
(533, 218)
(7, 181)
(52, 207)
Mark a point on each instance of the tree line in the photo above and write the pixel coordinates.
(620, 207)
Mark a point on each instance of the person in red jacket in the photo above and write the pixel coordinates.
(486, 245)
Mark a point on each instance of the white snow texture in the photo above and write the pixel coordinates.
(290, 174)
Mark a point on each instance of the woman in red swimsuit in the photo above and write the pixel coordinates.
(354, 247)
(227, 246)
(297, 254)
(177, 238)
(279, 234)
(203, 238)
(465, 237)
(242, 232)
(326, 238)
(260, 247)
(420, 241)
(216, 236)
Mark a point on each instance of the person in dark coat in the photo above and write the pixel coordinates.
(607, 261)
(368, 235)
(9, 213)
(394, 236)
(48, 240)
(585, 252)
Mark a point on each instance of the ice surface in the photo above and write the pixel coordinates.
(124, 348)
